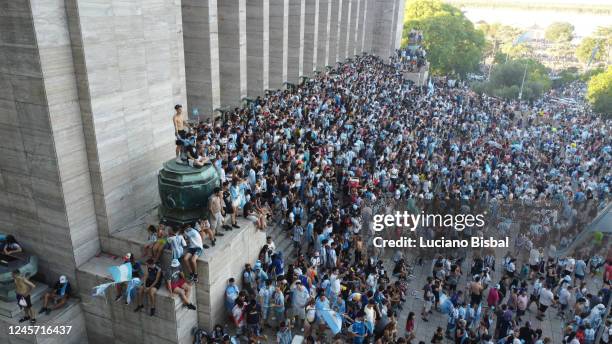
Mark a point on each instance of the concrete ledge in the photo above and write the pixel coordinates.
(107, 320)
(226, 259)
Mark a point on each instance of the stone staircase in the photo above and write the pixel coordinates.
(69, 315)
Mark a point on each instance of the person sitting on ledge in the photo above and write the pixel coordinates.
(203, 227)
(57, 297)
(176, 283)
(121, 287)
(196, 156)
(11, 246)
(195, 249)
(153, 280)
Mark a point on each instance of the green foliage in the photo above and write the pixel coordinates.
(505, 80)
(586, 76)
(419, 9)
(602, 37)
(500, 39)
(599, 92)
(585, 50)
(452, 43)
(559, 32)
(565, 77)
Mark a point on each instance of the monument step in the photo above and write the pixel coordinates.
(11, 309)
(68, 320)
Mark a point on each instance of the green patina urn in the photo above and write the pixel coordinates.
(184, 191)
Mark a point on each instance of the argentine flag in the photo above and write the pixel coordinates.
(332, 319)
(121, 273)
(101, 289)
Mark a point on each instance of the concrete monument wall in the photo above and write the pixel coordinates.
(46, 197)
(130, 62)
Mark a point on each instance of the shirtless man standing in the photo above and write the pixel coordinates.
(179, 130)
(475, 291)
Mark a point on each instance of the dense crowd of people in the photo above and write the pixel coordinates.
(315, 158)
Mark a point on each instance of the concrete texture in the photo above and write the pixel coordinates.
(215, 267)
(385, 32)
(322, 38)
(255, 47)
(196, 37)
(231, 45)
(115, 322)
(276, 24)
(129, 56)
(45, 190)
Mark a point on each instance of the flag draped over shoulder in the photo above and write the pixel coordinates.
(121, 273)
(446, 305)
(332, 318)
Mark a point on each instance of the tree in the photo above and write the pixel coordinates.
(599, 92)
(505, 81)
(602, 40)
(585, 50)
(559, 32)
(452, 43)
(419, 9)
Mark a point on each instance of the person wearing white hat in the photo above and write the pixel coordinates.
(176, 283)
(58, 296)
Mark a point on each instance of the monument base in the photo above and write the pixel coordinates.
(70, 315)
(172, 323)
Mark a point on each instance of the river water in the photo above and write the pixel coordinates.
(584, 23)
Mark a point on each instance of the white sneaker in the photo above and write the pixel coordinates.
(179, 160)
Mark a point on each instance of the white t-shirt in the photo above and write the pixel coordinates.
(195, 240)
(546, 297)
(534, 256)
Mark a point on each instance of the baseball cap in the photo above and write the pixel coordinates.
(63, 279)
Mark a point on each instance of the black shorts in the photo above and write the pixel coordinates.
(542, 308)
(182, 134)
(535, 268)
(157, 285)
(27, 301)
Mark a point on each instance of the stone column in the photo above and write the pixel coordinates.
(198, 52)
(276, 33)
(293, 41)
(46, 197)
(128, 60)
(400, 24)
(310, 40)
(332, 43)
(255, 47)
(232, 50)
(323, 32)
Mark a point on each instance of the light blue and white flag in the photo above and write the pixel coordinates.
(332, 319)
(132, 288)
(121, 273)
(100, 290)
(446, 305)
(593, 53)
(522, 38)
